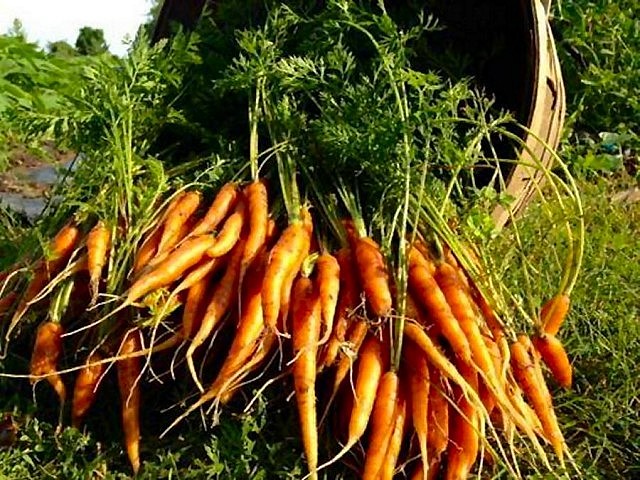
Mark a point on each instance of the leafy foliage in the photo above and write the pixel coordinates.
(598, 43)
(91, 41)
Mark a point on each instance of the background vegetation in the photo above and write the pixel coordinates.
(599, 44)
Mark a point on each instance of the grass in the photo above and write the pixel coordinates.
(599, 415)
(602, 335)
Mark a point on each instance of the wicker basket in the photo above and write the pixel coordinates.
(529, 82)
(546, 114)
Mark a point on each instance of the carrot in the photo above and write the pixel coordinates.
(514, 393)
(44, 359)
(437, 419)
(355, 336)
(229, 234)
(98, 244)
(226, 390)
(282, 260)
(427, 293)
(431, 474)
(381, 424)
(329, 288)
(58, 253)
(305, 312)
(207, 267)
(348, 298)
(147, 251)
(374, 277)
(221, 298)
(272, 232)
(182, 258)
(555, 357)
(395, 440)
(554, 312)
(194, 306)
(250, 326)
(487, 398)
(414, 312)
(417, 257)
(525, 372)
(222, 204)
(129, 371)
(86, 387)
(256, 359)
(417, 368)
(464, 431)
(7, 302)
(177, 216)
(294, 269)
(489, 315)
(258, 206)
(448, 280)
(370, 367)
(61, 248)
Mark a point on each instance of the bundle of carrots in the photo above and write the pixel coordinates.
(427, 378)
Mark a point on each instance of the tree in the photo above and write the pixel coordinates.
(61, 49)
(91, 41)
(17, 30)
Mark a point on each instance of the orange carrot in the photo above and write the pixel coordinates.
(259, 355)
(207, 267)
(272, 232)
(382, 424)
(554, 312)
(355, 336)
(431, 474)
(371, 363)
(86, 388)
(7, 302)
(417, 257)
(44, 359)
(61, 248)
(395, 440)
(437, 418)
(221, 299)
(490, 317)
(129, 371)
(294, 269)
(329, 289)
(348, 298)
(195, 305)
(306, 316)
(147, 251)
(281, 262)
(426, 292)
(176, 217)
(487, 398)
(250, 327)
(229, 234)
(417, 368)
(374, 277)
(185, 256)
(464, 432)
(525, 372)
(222, 204)
(258, 206)
(98, 244)
(460, 304)
(555, 357)
(58, 253)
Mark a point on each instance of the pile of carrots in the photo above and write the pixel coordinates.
(425, 381)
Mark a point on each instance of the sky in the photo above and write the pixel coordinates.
(52, 20)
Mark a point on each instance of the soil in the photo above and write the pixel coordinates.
(31, 175)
